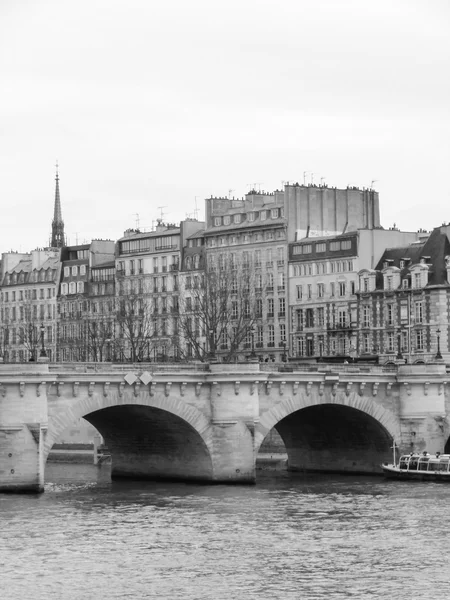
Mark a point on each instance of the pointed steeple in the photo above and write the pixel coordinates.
(57, 223)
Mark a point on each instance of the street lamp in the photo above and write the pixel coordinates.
(438, 353)
(320, 350)
(43, 353)
(252, 333)
(212, 350)
(399, 347)
(283, 356)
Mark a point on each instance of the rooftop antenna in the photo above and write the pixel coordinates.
(372, 182)
(322, 179)
(161, 216)
(76, 238)
(195, 209)
(312, 178)
(229, 193)
(259, 186)
(305, 173)
(137, 220)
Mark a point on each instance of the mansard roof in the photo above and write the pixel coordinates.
(435, 248)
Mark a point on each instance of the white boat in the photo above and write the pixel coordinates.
(423, 467)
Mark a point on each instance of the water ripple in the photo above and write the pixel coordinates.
(288, 537)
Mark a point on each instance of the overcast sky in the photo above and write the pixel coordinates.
(148, 104)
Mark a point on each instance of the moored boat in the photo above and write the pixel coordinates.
(423, 467)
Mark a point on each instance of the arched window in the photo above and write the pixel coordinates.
(188, 263)
(196, 261)
(80, 287)
(72, 287)
(64, 289)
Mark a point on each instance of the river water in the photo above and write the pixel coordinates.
(290, 536)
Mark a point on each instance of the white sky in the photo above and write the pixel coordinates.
(154, 103)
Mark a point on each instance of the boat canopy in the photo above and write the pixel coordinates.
(425, 462)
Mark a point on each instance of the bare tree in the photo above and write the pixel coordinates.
(220, 306)
(29, 332)
(133, 316)
(99, 337)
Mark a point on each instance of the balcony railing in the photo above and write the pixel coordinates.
(342, 326)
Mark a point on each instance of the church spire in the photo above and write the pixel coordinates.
(57, 223)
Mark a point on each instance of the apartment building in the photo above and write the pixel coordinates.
(247, 239)
(147, 287)
(84, 323)
(403, 302)
(323, 287)
(29, 283)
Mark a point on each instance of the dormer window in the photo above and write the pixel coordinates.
(227, 220)
(263, 215)
(405, 284)
(402, 264)
(274, 213)
(251, 216)
(389, 282)
(237, 218)
(417, 280)
(217, 221)
(385, 264)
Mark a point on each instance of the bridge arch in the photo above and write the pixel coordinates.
(381, 423)
(149, 436)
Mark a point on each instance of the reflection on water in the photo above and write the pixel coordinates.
(290, 536)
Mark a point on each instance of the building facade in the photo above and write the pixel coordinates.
(147, 291)
(403, 303)
(323, 286)
(28, 305)
(84, 322)
(246, 240)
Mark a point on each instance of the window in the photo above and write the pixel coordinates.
(309, 316)
(417, 280)
(352, 287)
(418, 311)
(335, 246)
(321, 316)
(309, 291)
(389, 282)
(320, 290)
(281, 307)
(390, 342)
(217, 221)
(346, 244)
(237, 218)
(82, 269)
(366, 316)
(74, 271)
(270, 309)
(257, 258)
(64, 289)
(80, 287)
(270, 282)
(390, 314)
(227, 220)
(251, 216)
(66, 271)
(342, 288)
(259, 309)
(366, 343)
(321, 247)
(299, 292)
(405, 284)
(271, 330)
(281, 281)
(332, 288)
(274, 213)
(419, 340)
(234, 309)
(402, 264)
(299, 319)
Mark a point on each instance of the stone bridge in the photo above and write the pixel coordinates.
(207, 422)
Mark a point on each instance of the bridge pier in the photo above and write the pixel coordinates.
(23, 427)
